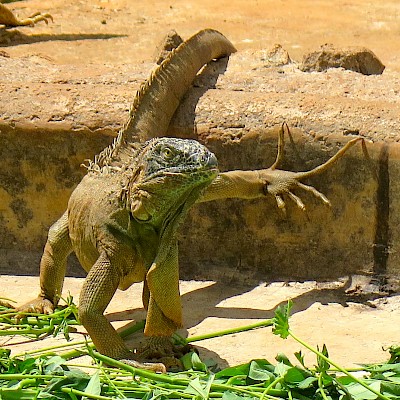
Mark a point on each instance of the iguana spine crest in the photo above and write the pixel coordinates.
(159, 96)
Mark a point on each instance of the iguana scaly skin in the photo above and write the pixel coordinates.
(9, 20)
(122, 218)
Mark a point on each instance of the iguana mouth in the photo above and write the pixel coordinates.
(208, 173)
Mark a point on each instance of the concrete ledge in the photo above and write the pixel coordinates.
(56, 116)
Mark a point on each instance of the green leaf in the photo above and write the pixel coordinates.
(383, 367)
(259, 372)
(300, 358)
(281, 320)
(192, 361)
(197, 388)
(280, 357)
(359, 392)
(307, 383)
(281, 369)
(389, 388)
(54, 365)
(394, 354)
(94, 386)
(242, 369)
(5, 353)
(322, 364)
(294, 376)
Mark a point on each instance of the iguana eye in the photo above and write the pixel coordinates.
(167, 153)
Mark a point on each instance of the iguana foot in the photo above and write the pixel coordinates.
(279, 182)
(157, 347)
(162, 349)
(6, 304)
(150, 366)
(39, 305)
(9, 20)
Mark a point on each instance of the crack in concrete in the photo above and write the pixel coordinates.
(382, 235)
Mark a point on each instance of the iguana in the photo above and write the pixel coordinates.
(123, 217)
(9, 20)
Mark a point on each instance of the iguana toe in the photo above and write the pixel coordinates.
(150, 366)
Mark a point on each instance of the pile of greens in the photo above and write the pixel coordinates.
(51, 374)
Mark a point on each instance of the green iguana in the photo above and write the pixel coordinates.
(123, 217)
(9, 20)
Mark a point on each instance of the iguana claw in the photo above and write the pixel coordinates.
(39, 305)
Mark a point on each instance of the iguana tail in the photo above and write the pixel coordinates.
(158, 98)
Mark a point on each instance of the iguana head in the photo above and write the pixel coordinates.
(169, 174)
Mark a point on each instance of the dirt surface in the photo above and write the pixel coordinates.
(121, 31)
(116, 32)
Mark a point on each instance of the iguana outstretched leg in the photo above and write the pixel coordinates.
(9, 20)
(278, 183)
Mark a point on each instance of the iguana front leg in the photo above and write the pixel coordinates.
(52, 269)
(9, 20)
(161, 299)
(98, 289)
(278, 183)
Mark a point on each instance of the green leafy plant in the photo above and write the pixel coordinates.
(50, 373)
(35, 325)
(348, 384)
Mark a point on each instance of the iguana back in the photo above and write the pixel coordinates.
(158, 98)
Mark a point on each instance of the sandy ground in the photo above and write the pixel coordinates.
(121, 31)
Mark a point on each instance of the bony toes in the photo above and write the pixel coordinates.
(291, 180)
(40, 306)
(155, 367)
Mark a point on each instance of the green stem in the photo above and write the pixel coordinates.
(19, 377)
(338, 367)
(48, 350)
(138, 326)
(140, 372)
(271, 385)
(27, 331)
(11, 394)
(321, 387)
(183, 382)
(261, 324)
(83, 394)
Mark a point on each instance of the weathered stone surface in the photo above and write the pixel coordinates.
(53, 117)
(277, 56)
(171, 41)
(357, 59)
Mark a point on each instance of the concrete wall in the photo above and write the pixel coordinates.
(48, 128)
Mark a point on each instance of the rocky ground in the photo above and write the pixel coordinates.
(86, 34)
